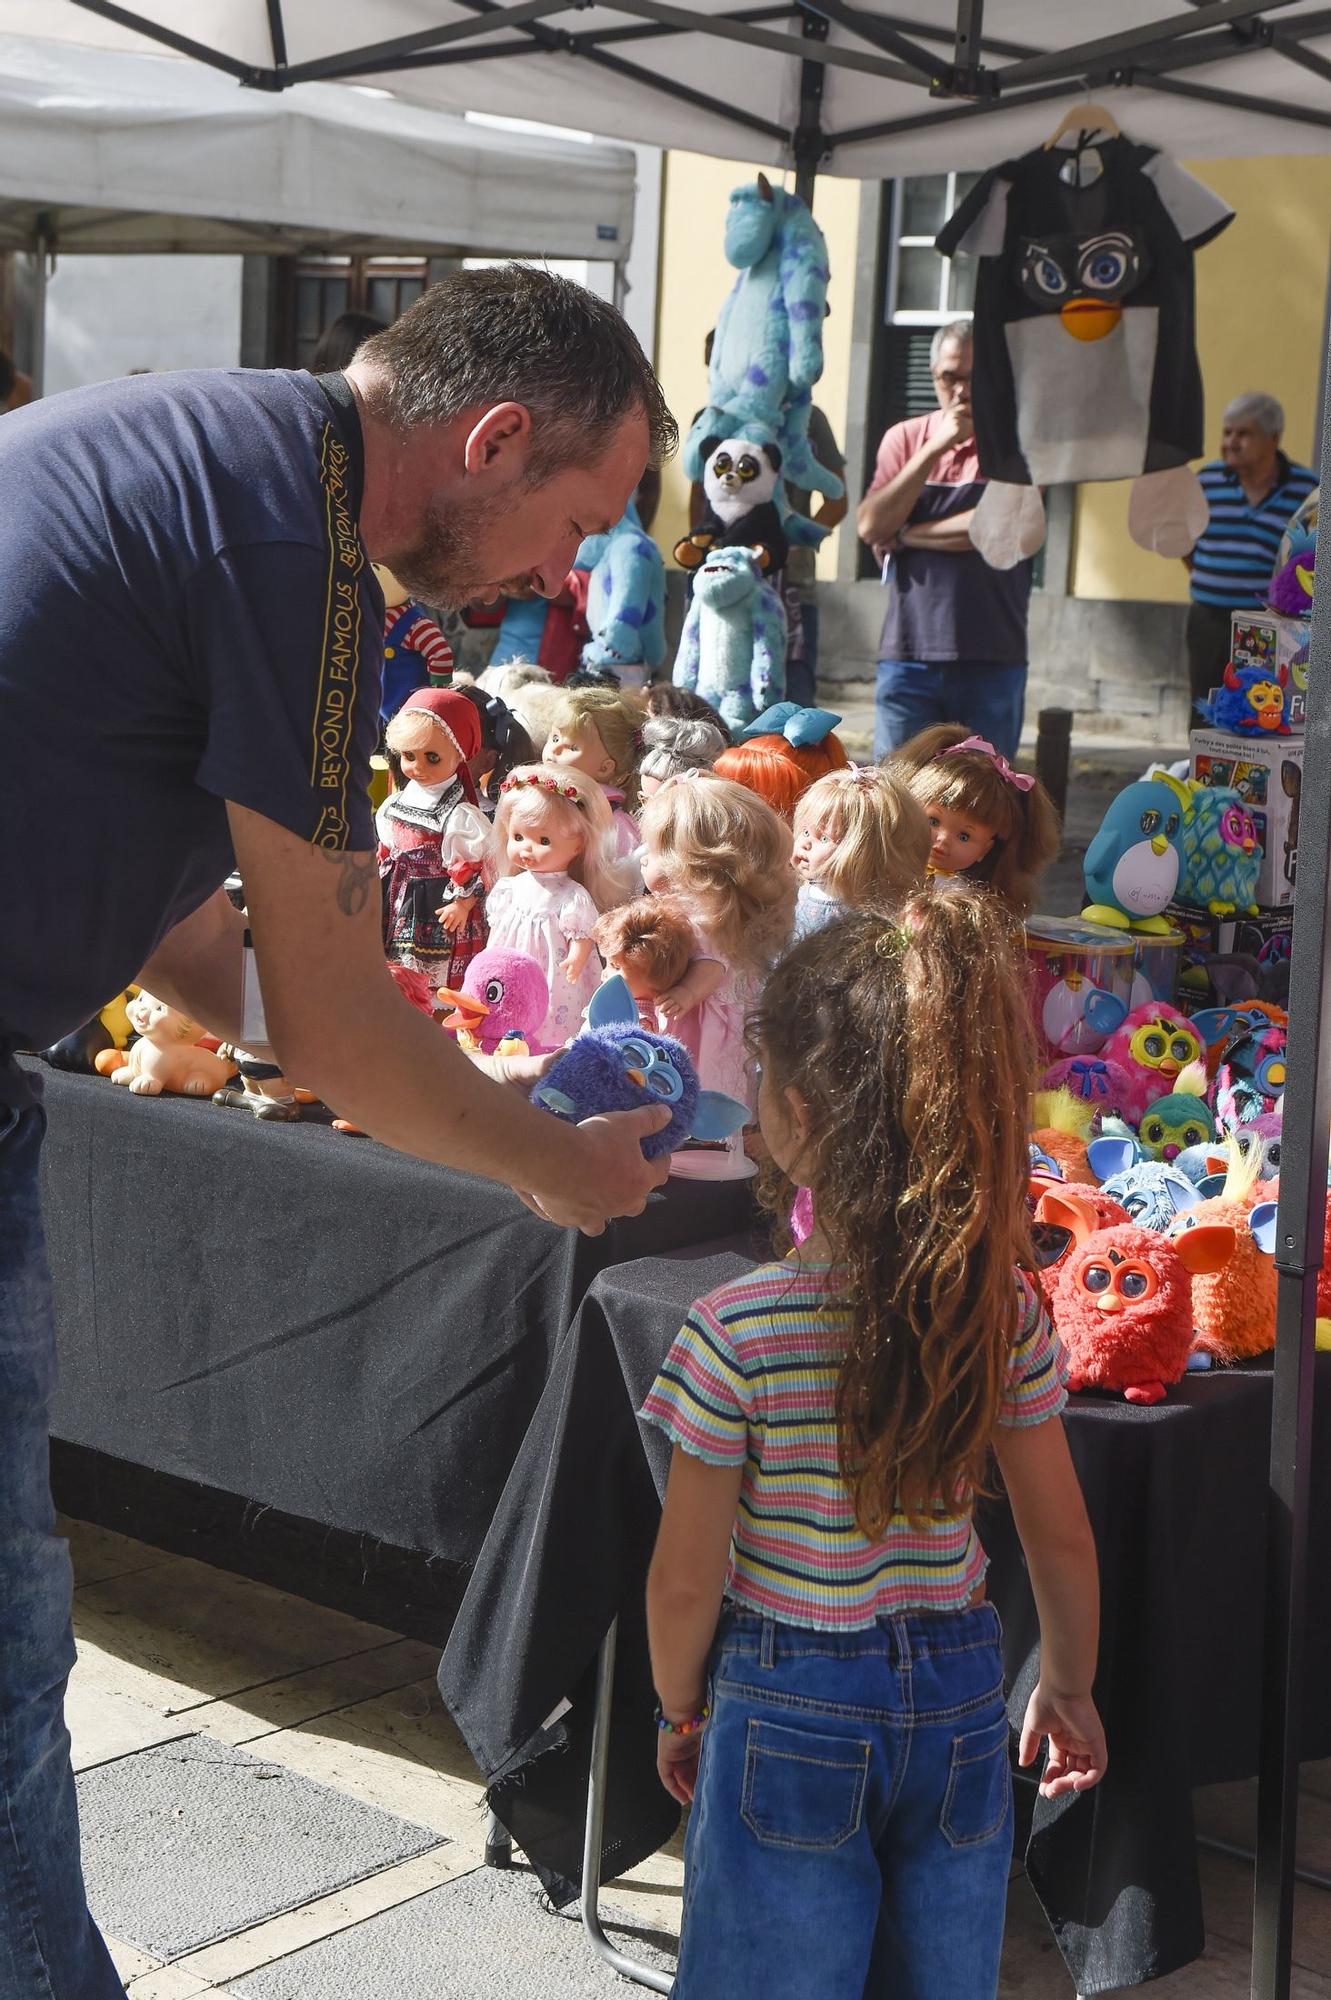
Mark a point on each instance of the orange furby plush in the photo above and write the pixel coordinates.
(1062, 1129)
(1123, 1306)
(1234, 1307)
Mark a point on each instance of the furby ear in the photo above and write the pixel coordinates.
(717, 1115)
(1212, 1024)
(1208, 1247)
(1262, 1223)
(1105, 1011)
(612, 1005)
(1067, 1210)
(1107, 1157)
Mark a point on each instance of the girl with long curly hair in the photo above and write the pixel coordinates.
(842, 1729)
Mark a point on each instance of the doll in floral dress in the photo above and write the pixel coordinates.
(435, 846)
(557, 872)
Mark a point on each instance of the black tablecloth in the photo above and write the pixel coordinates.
(1177, 1497)
(307, 1319)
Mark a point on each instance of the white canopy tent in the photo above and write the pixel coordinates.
(842, 86)
(103, 151)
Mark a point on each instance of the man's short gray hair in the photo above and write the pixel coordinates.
(1257, 408)
(960, 330)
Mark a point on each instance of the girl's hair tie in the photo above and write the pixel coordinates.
(515, 783)
(1021, 780)
(890, 940)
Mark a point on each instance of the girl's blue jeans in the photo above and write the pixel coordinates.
(49, 1946)
(852, 1829)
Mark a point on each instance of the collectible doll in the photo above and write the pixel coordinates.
(990, 824)
(171, 1054)
(504, 744)
(434, 845)
(557, 871)
(674, 744)
(725, 855)
(598, 732)
(861, 843)
(650, 943)
(785, 751)
(412, 641)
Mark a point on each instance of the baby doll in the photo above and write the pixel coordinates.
(597, 731)
(784, 752)
(726, 856)
(673, 745)
(990, 824)
(682, 704)
(557, 870)
(434, 845)
(861, 843)
(412, 641)
(650, 943)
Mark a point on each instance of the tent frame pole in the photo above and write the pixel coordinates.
(1298, 1259)
(810, 139)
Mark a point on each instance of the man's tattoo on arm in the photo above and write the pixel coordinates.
(357, 877)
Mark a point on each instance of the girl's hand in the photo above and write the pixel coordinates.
(1078, 1756)
(677, 1763)
(453, 916)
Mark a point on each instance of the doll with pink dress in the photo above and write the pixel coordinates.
(598, 731)
(435, 845)
(724, 855)
(558, 871)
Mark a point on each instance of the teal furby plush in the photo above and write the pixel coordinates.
(1133, 865)
(768, 349)
(1173, 1125)
(625, 598)
(732, 650)
(1222, 855)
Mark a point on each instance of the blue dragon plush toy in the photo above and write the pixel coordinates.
(732, 650)
(768, 349)
(625, 597)
(616, 1064)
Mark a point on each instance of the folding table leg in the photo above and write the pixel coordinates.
(629, 1968)
(498, 1844)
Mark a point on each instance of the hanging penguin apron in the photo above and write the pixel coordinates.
(1085, 352)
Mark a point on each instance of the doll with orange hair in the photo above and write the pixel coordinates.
(785, 751)
(992, 826)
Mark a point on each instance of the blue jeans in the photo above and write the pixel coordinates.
(851, 1832)
(50, 1949)
(987, 696)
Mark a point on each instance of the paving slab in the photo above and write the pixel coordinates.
(189, 1842)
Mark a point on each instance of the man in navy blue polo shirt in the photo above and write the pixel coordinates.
(1252, 490)
(190, 668)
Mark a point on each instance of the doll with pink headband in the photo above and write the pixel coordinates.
(991, 825)
(435, 845)
(557, 872)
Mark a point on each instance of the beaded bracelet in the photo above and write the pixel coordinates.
(689, 1728)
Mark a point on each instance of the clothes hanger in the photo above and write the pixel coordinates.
(1084, 117)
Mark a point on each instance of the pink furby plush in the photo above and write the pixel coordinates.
(1154, 1043)
(1123, 1306)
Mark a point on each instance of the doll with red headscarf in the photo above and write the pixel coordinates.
(434, 845)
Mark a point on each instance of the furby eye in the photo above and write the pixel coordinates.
(1171, 826)
(1150, 820)
(1133, 1284)
(636, 1054)
(1183, 1050)
(661, 1081)
(1193, 1135)
(1154, 1046)
(1154, 1132)
(1104, 268)
(1095, 1278)
(1049, 277)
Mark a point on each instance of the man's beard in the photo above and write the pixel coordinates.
(444, 566)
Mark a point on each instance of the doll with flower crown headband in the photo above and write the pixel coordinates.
(558, 871)
(991, 825)
(434, 845)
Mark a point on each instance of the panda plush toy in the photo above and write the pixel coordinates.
(741, 481)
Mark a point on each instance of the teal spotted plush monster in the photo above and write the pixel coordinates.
(625, 599)
(768, 349)
(733, 647)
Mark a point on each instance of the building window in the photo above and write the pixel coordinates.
(924, 289)
(322, 288)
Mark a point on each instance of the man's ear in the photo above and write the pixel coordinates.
(503, 430)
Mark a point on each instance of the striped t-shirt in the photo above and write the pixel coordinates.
(752, 1379)
(1237, 550)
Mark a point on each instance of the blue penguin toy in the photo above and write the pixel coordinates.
(616, 1064)
(1133, 865)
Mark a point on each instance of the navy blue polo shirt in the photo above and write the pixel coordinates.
(188, 618)
(1236, 552)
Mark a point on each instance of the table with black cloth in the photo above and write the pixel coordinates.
(307, 1319)
(1177, 1496)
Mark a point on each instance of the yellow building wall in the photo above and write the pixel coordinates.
(695, 278)
(1261, 296)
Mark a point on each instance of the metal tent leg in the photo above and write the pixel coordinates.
(642, 1975)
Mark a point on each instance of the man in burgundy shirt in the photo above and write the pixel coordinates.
(954, 639)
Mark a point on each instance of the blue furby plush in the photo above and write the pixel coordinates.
(1250, 700)
(1133, 865)
(768, 349)
(1222, 855)
(616, 1064)
(1152, 1193)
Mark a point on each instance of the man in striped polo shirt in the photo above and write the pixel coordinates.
(1252, 490)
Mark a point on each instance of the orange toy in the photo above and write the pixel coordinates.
(778, 771)
(1234, 1307)
(1123, 1306)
